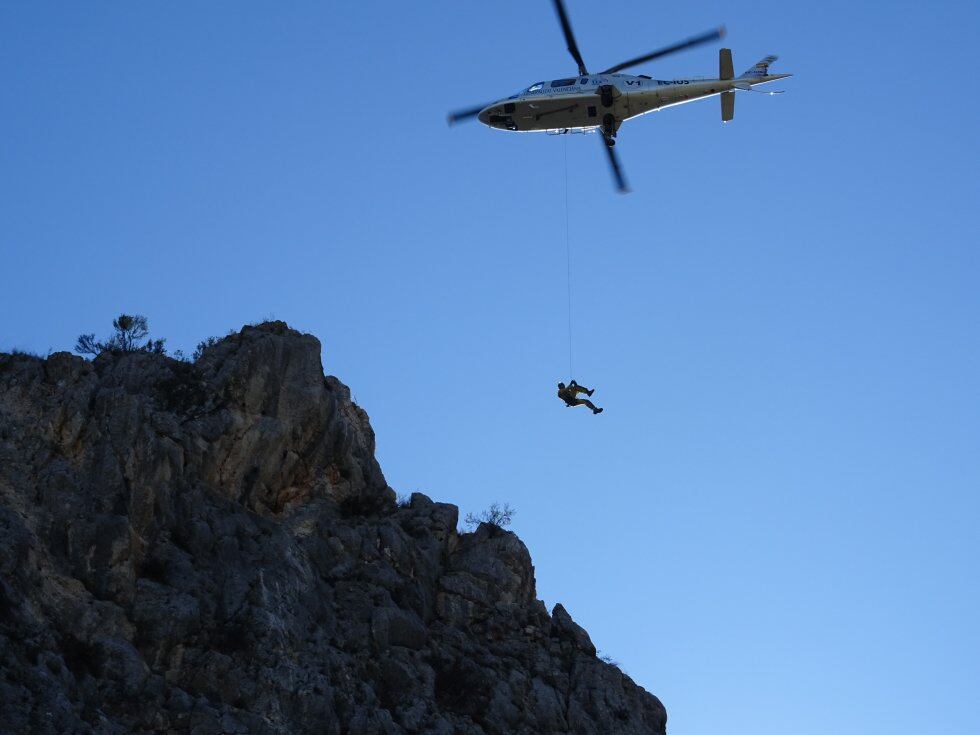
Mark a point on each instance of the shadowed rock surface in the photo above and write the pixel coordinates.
(212, 548)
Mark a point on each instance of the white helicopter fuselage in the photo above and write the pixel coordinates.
(587, 102)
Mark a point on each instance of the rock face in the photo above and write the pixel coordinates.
(211, 547)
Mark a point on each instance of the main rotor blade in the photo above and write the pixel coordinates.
(621, 186)
(463, 115)
(690, 42)
(566, 28)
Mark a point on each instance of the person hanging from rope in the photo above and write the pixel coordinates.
(569, 394)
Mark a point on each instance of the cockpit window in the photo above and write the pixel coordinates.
(535, 87)
(563, 82)
(583, 80)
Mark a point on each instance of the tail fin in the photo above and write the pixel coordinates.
(759, 70)
(726, 70)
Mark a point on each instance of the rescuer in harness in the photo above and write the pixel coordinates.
(569, 394)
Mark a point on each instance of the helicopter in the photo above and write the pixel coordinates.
(603, 101)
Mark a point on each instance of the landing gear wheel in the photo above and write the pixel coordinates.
(609, 129)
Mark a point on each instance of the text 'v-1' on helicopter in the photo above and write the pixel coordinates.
(604, 101)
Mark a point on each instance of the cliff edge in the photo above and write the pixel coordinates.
(211, 547)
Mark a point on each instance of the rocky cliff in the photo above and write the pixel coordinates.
(211, 547)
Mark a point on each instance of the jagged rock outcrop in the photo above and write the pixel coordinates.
(212, 548)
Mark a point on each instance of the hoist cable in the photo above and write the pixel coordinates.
(568, 260)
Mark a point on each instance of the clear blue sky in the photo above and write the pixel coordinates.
(774, 525)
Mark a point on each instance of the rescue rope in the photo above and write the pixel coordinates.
(568, 259)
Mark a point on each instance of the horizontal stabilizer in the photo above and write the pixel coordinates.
(761, 69)
(747, 86)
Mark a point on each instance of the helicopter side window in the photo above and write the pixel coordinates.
(535, 87)
(563, 82)
(583, 80)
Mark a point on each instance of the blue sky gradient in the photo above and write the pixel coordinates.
(774, 525)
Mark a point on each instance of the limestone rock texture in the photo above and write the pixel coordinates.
(211, 547)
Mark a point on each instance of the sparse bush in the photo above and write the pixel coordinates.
(155, 346)
(608, 660)
(494, 515)
(202, 346)
(130, 330)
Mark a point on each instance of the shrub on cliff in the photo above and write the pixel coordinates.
(202, 346)
(129, 331)
(494, 516)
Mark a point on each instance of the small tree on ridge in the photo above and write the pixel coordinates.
(129, 332)
(494, 516)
